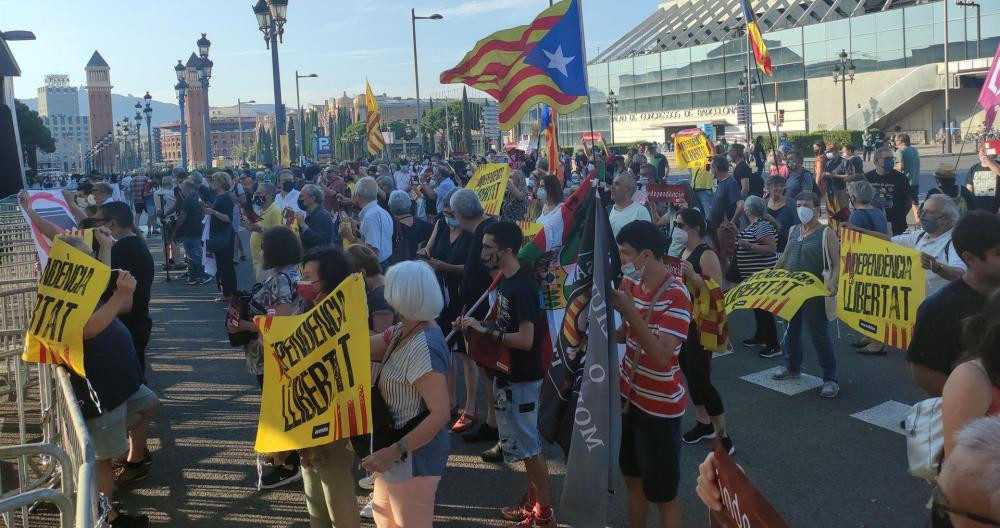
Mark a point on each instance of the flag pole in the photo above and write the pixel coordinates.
(760, 86)
(586, 76)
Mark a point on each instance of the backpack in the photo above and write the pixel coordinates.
(960, 201)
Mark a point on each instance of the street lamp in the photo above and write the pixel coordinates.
(204, 74)
(843, 72)
(416, 73)
(148, 110)
(138, 134)
(299, 104)
(271, 18)
(239, 124)
(181, 90)
(612, 104)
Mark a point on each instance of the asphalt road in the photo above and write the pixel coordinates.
(819, 465)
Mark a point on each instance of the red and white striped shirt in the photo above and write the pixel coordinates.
(657, 390)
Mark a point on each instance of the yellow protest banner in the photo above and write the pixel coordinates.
(285, 150)
(778, 291)
(692, 149)
(489, 183)
(881, 286)
(317, 373)
(68, 292)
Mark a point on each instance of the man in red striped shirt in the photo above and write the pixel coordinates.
(656, 313)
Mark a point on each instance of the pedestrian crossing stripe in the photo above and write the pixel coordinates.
(886, 415)
(789, 387)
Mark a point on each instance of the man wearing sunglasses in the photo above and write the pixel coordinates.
(968, 488)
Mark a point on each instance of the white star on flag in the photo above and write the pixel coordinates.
(558, 61)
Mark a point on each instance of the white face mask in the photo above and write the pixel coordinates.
(542, 194)
(632, 272)
(805, 214)
(679, 236)
(829, 155)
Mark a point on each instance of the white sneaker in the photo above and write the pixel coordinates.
(367, 483)
(366, 512)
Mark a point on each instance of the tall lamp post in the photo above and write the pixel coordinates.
(612, 104)
(126, 127)
(746, 95)
(416, 72)
(843, 72)
(299, 105)
(138, 135)
(239, 125)
(204, 74)
(181, 89)
(271, 18)
(148, 110)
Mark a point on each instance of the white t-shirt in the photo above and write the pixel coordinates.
(621, 217)
(291, 201)
(403, 180)
(940, 248)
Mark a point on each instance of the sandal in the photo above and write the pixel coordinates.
(464, 423)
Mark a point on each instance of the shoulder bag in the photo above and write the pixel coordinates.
(831, 300)
(384, 432)
(925, 439)
(627, 398)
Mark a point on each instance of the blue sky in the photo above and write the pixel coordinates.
(142, 40)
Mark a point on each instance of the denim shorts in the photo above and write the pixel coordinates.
(516, 407)
(109, 433)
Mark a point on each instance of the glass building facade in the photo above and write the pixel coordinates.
(708, 75)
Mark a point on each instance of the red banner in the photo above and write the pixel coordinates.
(743, 506)
(668, 193)
(592, 137)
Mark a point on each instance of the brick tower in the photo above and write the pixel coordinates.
(194, 108)
(99, 98)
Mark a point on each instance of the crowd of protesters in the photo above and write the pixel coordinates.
(428, 253)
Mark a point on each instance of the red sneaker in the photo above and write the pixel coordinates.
(521, 510)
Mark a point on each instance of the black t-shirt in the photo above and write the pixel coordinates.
(985, 185)
(377, 305)
(937, 335)
(742, 172)
(517, 301)
(112, 369)
(410, 238)
(132, 255)
(893, 191)
(225, 205)
(476, 278)
(192, 222)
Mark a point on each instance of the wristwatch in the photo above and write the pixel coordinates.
(403, 451)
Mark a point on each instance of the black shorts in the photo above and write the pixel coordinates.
(140, 207)
(651, 451)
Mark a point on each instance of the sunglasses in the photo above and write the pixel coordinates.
(941, 503)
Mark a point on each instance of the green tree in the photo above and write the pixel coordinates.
(35, 135)
(401, 130)
(354, 138)
(434, 123)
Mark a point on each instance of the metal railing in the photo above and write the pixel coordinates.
(54, 457)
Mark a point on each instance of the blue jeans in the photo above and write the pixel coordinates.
(705, 198)
(813, 316)
(194, 251)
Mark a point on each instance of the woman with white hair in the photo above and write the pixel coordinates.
(415, 361)
(757, 250)
(865, 217)
(409, 233)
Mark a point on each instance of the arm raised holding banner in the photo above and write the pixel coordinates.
(120, 302)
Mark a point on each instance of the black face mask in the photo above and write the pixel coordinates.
(301, 203)
(258, 200)
(287, 186)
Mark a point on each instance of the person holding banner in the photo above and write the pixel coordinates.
(813, 248)
(415, 360)
(757, 250)
(114, 401)
(698, 260)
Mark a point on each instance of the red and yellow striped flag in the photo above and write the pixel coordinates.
(374, 121)
(542, 62)
(760, 52)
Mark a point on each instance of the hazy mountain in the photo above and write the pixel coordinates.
(124, 105)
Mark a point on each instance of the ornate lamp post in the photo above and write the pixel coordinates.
(148, 110)
(181, 90)
(612, 104)
(271, 18)
(138, 136)
(239, 125)
(298, 104)
(204, 74)
(843, 72)
(416, 72)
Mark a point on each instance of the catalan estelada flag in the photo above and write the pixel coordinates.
(756, 41)
(542, 62)
(547, 127)
(374, 121)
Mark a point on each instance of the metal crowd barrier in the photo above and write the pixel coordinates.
(54, 456)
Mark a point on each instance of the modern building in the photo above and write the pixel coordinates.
(682, 67)
(99, 100)
(57, 97)
(59, 109)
